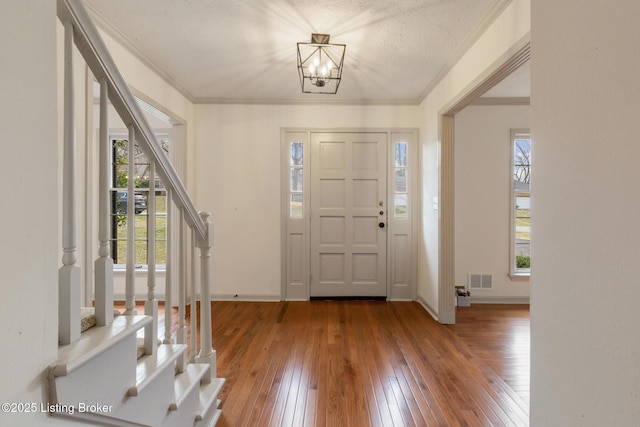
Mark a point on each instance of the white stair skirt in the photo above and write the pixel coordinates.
(99, 379)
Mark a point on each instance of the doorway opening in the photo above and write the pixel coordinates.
(511, 61)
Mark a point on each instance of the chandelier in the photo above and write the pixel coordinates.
(320, 65)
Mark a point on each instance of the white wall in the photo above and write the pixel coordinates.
(584, 119)
(30, 251)
(483, 179)
(237, 166)
(507, 30)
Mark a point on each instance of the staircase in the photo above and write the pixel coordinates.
(117, 373)
(99, 379)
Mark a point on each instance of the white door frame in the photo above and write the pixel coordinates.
(501, 68)
(402, 232)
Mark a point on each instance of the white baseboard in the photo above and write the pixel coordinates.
(499, 300)
(246, 297)
(432, 311)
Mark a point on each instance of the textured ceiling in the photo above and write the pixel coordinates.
(245, 50)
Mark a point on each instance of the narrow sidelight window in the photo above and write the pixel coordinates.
(521, 203)
(296, 179)
(400, 180)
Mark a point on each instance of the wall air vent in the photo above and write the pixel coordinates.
(480, 281)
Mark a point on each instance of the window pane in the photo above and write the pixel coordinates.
(161, 252)
(296, 205)
(401, 180)
(400, 206)
(141, 227)
(141, 252)
(401, 154)
(522, 164)
(296, 179)
(161, 202)
(521, 231)
(161, 227)
(296, 153)
(144, 183)
(118, 251)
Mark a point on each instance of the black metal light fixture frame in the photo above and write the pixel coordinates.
(320, 65)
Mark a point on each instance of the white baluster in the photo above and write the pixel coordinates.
(193, 316)
(207, 353)
(151, 304)
(130, 284)
(168, 311)
(104, 264)
(181, 334)
(69, 274)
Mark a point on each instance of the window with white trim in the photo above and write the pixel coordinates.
(400, 180)
(120, 199)
(521, 202)
(296, 180)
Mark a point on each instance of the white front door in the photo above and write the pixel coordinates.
(348, 214)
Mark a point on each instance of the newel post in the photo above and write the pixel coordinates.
(207, 353)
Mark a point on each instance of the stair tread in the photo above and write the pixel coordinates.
(150, 366)
(94, 341)
(186, 381)
(208, 396)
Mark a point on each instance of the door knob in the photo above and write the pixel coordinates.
(381, 224)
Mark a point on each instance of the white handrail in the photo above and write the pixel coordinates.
(96, 54)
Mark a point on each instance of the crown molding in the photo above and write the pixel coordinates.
(123, 40)
(306, 101)
(498, 7)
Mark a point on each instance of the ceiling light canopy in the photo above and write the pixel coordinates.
(320, 65)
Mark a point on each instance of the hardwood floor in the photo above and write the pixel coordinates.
(500, 336)
(357, 363)
(370, 363)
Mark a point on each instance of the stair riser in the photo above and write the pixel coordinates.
(185, 414)
(212, 413)
(104, 380)
(151, 405)
(210, 421)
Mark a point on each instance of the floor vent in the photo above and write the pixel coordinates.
(480, 281)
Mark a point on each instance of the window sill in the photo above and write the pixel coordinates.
(520, 276)
(121, 268)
